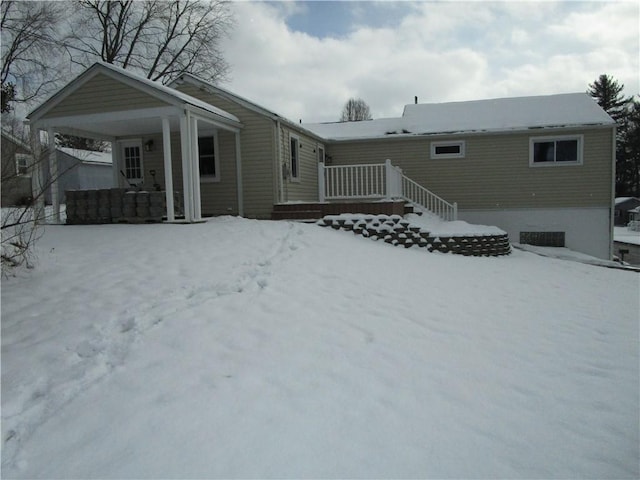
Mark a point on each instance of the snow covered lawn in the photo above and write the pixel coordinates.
(243, 348)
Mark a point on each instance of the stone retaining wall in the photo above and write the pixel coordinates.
(396, 231)
(114, 205)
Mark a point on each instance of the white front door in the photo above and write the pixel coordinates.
(131, 162)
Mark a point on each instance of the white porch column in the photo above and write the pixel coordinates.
(37, 184)
(168, 170)
(185, 144)
(239, 186)
(195, 170)
(53, 175)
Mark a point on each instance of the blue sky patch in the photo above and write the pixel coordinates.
(339, 18)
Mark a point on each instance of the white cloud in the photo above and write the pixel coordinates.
(438, 51)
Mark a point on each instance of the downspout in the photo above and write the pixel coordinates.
(278, 163)
(613, 191)
(239, 179)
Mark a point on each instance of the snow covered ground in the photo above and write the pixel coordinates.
(623, 234)
(244, 348)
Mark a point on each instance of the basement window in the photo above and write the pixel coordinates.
(550, 151)
(447, 149)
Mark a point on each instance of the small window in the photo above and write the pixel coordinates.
(22, 163)
(295, 158)
(555, 150)
(207, 159)
(447, 149)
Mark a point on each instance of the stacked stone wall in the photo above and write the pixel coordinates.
(395, 230)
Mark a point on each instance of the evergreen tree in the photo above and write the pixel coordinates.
(628, 169)
(608, 94)
(81, 143)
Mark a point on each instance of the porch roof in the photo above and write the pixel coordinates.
(125, 120)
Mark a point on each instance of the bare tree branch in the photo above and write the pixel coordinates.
(161, 39)
(31, 59)
(355, 110)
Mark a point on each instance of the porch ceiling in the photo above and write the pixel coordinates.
(117, 128)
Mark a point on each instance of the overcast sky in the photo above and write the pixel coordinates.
(305, 59)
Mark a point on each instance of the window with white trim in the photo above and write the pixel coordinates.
(22, 163)
(131, 152)
(208, 160)
(294, 158)
(562, 150)
(454, 149)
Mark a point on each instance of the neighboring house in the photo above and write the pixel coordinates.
(16, 175)
(540, 168)
(81, 170)
(622, 209)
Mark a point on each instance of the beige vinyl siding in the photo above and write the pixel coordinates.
(103, 94)
(256, 147)
(217, 198)
(305, 188)
(495, 172)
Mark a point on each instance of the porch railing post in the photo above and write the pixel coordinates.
(389, 178)
(321, 188)
(455, 211)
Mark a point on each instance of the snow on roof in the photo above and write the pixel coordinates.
(620, 200)
(183, 97)
(234, 97)
(494, 115)
(87, 155)
(171, 91)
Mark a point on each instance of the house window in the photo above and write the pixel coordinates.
(566, 150)
(294, 153)
(447, 149)
(207, 158)
(22, 163)
(132, 162)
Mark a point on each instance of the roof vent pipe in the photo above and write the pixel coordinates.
(416, 99)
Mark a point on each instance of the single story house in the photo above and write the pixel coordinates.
(16, 176)
(622, 209)
(541, 168)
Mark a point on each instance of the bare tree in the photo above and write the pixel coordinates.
(355, 110)
(24, 187)
(161, 39)
(31, 57)
(20, 227)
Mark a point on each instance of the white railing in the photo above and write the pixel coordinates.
(416, 193)
(352, 181)
(379, 181)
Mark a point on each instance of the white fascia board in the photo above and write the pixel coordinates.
(72, 120)
(218, 121)
(91, 73)
(469, 133)
(63, 93)
(142, 84)
(248, 104)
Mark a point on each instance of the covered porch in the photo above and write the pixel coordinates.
(155, 133)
